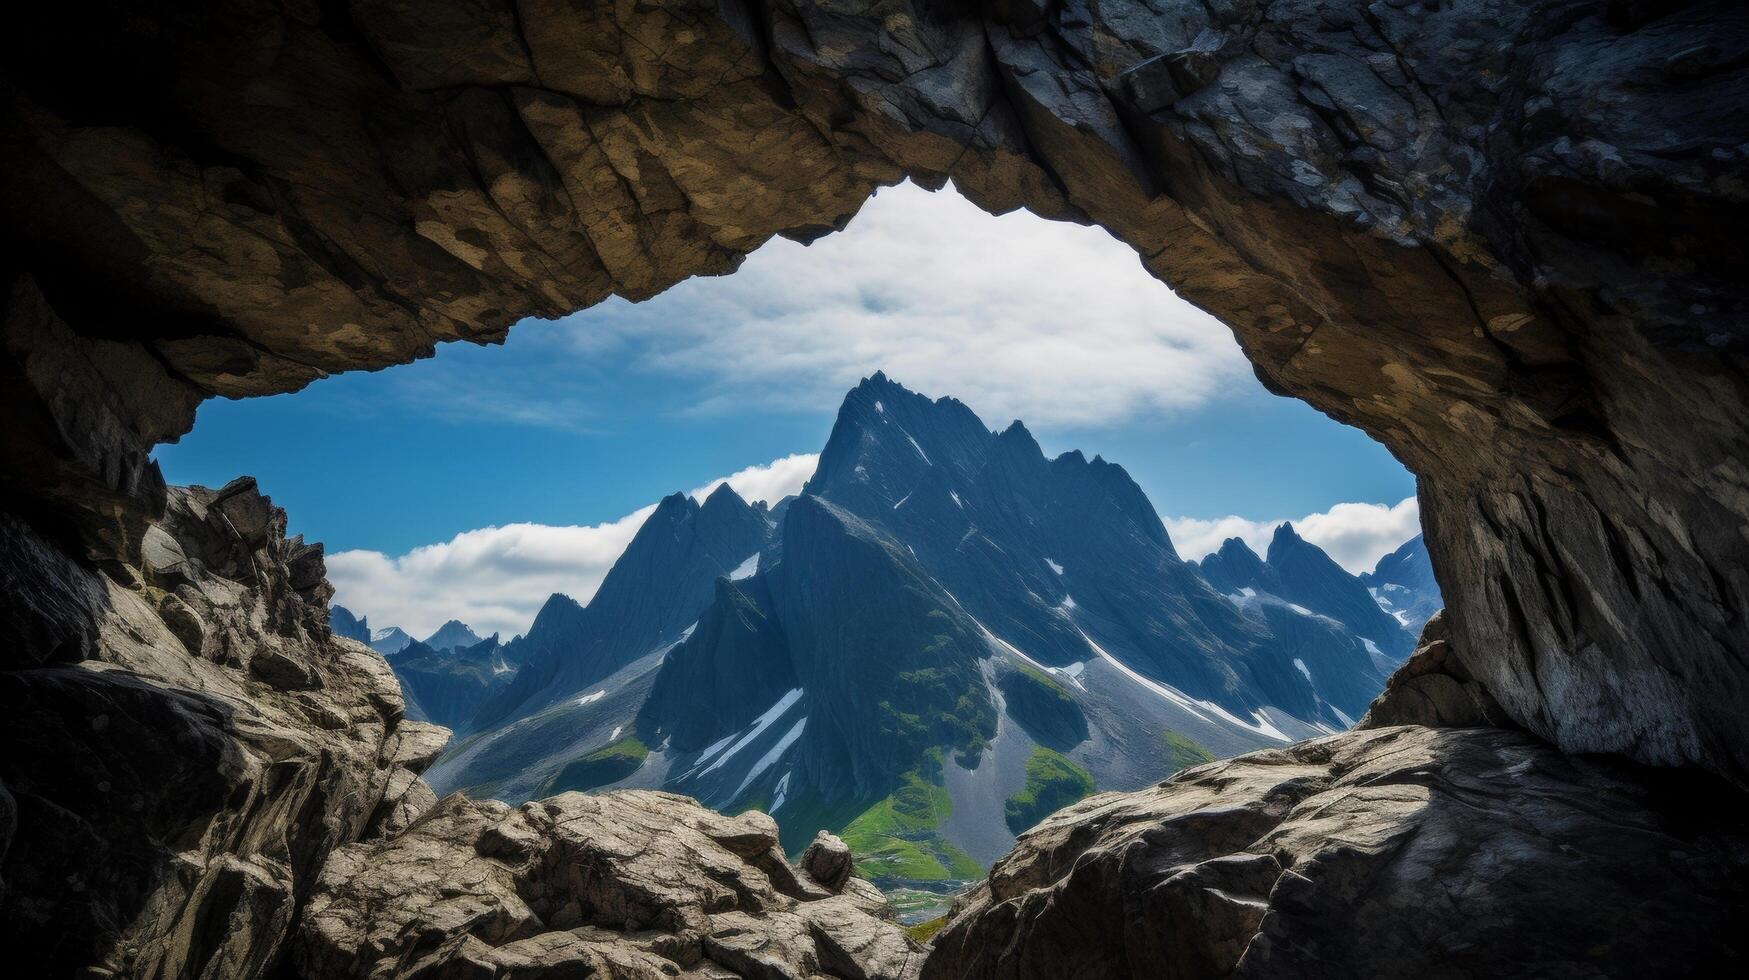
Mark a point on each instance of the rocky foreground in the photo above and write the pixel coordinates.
(185, 744)
(1396, 852)
(201, 781)
(630, 884)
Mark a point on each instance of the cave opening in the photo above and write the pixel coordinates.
(473, 504)
(1495, 237)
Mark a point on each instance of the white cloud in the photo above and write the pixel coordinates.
(1055, 323)
(769, 482)
(496, 578)
(1356, 535)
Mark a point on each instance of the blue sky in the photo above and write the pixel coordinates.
(566, 431)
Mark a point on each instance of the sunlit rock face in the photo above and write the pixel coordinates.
(630, 884)
(1499, 236)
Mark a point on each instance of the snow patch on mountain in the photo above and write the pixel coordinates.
(776, 752)
(759, 725)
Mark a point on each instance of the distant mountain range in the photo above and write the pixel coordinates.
(1402, 584)
(945, 637)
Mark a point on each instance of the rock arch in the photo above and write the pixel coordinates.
(1499, 237)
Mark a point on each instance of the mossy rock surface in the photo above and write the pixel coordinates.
(1053, 781)
(1043, 707)
(925, 931)
(608, 764)
(1184, 751)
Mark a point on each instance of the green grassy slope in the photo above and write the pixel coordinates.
(608, 764)
(1052, 782)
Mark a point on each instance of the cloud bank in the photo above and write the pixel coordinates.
(1355, 535)
(1055, 323)
(496, 578)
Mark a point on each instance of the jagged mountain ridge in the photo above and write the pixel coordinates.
(943, 608)
(650, 597)
(347, 625)
(1301, 573)
(447, 686)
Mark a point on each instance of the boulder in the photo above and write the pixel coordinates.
(1434, 688)
(828, 861)
(1394, 852)
(633, 883)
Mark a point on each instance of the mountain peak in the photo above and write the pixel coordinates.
(1018, 439)
(678, 501)
(451, 635)
(723, 496)
(1235, 566)
(344, 623)
(1284, 540)
(1237, 548)
(557, 604)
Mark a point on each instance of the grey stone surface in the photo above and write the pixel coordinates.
(633, 883)
(1397, 852)
(828, 861)
(173, 795)
(1435, 688)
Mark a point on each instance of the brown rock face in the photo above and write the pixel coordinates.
(1399, 852)
(185, 745)
(629, 884)
(1499, 236)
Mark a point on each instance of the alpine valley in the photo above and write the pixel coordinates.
(944, 638)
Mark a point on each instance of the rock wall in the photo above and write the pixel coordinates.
(185, 744)
(1397, 852)
(1499, 236)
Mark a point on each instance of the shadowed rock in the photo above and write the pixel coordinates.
(1390, 853)
(828, 861)
(1435, 688)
